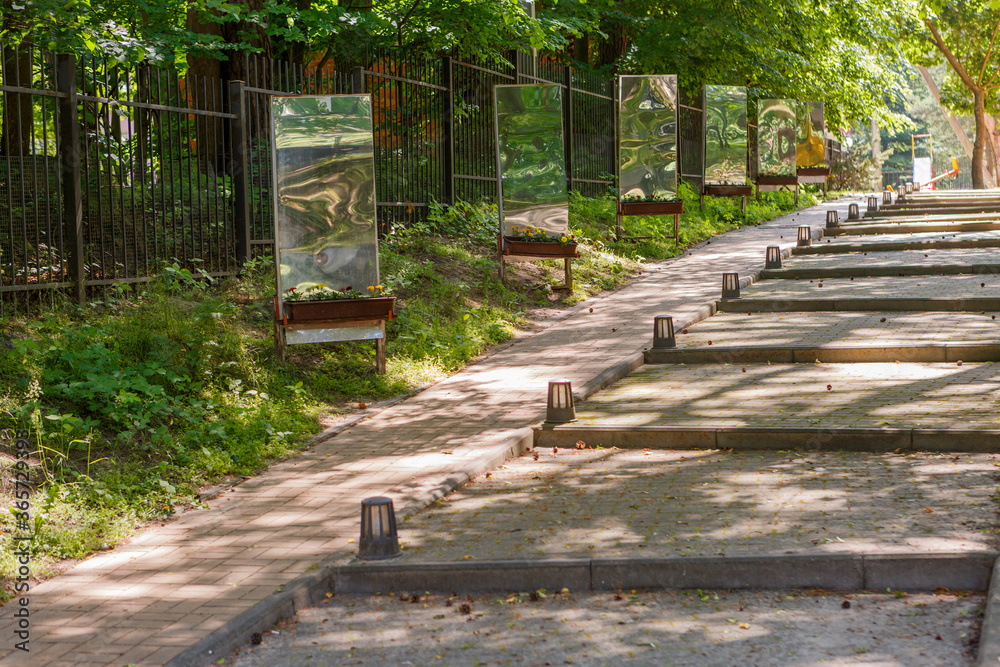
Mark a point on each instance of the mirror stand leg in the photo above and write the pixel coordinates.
(568, 270)
(380, 352)
(677, 228)
(279, 339)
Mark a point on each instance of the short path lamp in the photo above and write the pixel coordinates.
(805, 236)
(560, 407)
(853, 212)
(730, 285)
(886, 197)
(772, 257)
(663, 332)
(379, 539)
(872, 204)
(832, 220)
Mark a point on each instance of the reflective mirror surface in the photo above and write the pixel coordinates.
(811, 148)
(647, 155)
(324, 179)
(776, 137)
(531, 158)
(725, 135)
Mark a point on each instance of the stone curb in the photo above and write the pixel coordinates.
(805, 354)
(770, 438)
(904, 572)
(932, 210)
(310, 589)
(989, 640)
(792, 273)
(855, 304)
(904, 227)
(894, 246)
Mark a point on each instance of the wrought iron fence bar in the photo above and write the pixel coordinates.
(402, 203)
(509, 77)
(594, 180)
(401, 79)
(27, 287)
(476, 178)
(32, 91)
(153, 107)
(597, 95)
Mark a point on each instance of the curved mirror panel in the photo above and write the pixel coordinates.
(811, 148)
(324, 184)
(531, 159)
(776, 137)
(725, 135)
(647, 154)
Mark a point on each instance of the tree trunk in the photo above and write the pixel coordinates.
(581, 49)
(613, 46)
(15, 135)
(982, 136)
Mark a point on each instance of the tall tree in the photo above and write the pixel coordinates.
(964, 33)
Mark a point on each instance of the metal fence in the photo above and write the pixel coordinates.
(110, 170)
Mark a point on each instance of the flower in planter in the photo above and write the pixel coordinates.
(660, 197)
(320, 292)
(519, 233)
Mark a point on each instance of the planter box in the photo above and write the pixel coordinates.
(374, 308)
(814, 171)
(651, 207)
(552, 249)
(728, 190)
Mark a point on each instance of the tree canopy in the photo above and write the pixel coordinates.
(964, 34)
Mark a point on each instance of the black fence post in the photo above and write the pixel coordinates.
(448, 126)
(568, 124)
(358, 81)
(239, 169)
(69, 153)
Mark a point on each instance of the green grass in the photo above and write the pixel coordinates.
(136, 403)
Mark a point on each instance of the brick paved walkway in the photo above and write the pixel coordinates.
(148, 601)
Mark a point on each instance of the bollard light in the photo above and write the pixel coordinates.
(832, 220)
(805, 236)
(560, 407)
(872, 204)
(916, 186)
(730, 285)
(772, 257)
(886, 197)
(663, 332)
(908, 188)
(853, 212)
(379, 539)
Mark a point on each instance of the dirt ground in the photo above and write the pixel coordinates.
(722, 628)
